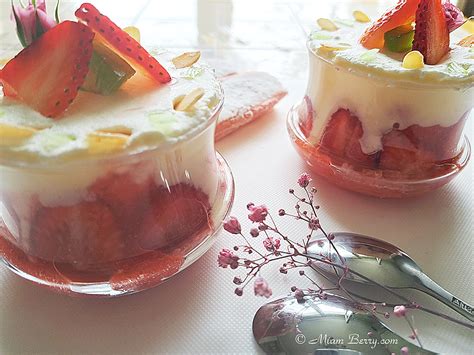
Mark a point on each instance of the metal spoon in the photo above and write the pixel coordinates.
(331, 326)
(383, 263)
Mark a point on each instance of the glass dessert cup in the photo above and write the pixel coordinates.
(116, 225)
(408, 154)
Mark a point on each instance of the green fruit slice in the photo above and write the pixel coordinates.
(107, 71)
(399, 39)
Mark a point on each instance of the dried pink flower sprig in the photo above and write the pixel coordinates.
(275, 246)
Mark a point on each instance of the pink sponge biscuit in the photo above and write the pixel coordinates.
(247, 97)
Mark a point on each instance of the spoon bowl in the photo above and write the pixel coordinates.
(333, 325)
(382, 263)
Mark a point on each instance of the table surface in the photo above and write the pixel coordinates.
(197, 311)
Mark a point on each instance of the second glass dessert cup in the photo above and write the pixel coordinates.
(118, 225)
(384, 138)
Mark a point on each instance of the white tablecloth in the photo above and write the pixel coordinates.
(197, 311)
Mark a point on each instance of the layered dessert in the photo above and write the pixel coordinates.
(109, 174)
(387, 101)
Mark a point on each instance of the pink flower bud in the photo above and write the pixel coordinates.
(257, 213)
(304, 180)
(232, 225)
(227, 258)
(261, 287)
(271, 244)
(454, 16)
(399, 311)
(31, 21)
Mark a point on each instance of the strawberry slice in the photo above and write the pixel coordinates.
(431, 31)
(128, 199)
(122, 43)
(175, 215)
(83, 234)
(338, 132)
(401, 152)
(47, 74)
(341, 138)
(403, 13)
(353, 151)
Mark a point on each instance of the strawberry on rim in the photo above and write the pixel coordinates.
(431, 31)
(48, 73)
(122, 43)
(403, 13)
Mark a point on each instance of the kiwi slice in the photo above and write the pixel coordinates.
(107, 71)
(399, 39)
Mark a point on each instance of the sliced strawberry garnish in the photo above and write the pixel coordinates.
(47, 74)
(122, 43)
(431, 31)
(175, 215)
(83, 234)
(403, 13)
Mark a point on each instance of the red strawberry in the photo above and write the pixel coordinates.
(338, 132)
(175, 215)
(442, 142)
(126, 197)
(403, 13)
(431, 31)
(353, 150)
(83, 234)
(145, 271)
(47, 74)
(124, 44)
(401, 153)
(305, 113)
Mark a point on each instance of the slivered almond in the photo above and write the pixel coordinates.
(186, 59)
(360, 16)
(332, 47)
(327, 24)
(189, 100)
(102, 143)
(11, 135)
(134, 32)
(116, 130)
(467, 41)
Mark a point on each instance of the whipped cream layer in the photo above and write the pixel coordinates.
(376, 88)
(139, 105)
(55, 165)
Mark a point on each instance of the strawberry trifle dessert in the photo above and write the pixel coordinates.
(387, 101)
(110, 183)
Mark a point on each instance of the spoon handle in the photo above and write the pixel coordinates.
(436, 291)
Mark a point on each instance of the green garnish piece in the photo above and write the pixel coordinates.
(344, 22)
(192, 73)
(162, 121)
(320, 36)
(370, 55)
(53, 140)
(458, 69)
(400, 39)
(107, 71)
